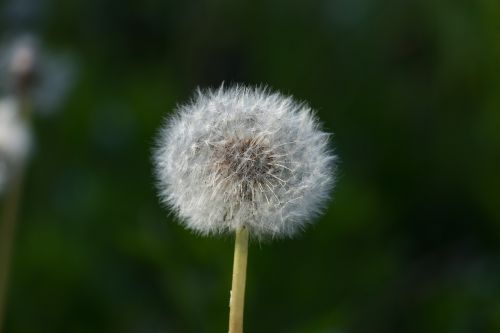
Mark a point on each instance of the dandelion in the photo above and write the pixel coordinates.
(15, 140)
(247, 161)
(15, 143)
(26, 65)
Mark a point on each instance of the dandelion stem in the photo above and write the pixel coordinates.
(237, 301)
(8, 223)
(7, 234)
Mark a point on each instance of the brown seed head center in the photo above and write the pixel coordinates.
(248, 163)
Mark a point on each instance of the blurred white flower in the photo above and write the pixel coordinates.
(24, 64)
(19, 63)
(15, 140)
(247, 157)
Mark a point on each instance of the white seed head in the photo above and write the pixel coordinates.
(15, 139)
(25, 66)
(244, 157)
(19, 63)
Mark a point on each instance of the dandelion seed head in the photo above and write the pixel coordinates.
(15, 139)
(26, 66)
(244, 157)
(19, 63)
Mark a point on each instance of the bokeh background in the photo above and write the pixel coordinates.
(411, 240)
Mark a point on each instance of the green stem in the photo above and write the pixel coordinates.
(237, 301)
(8, 223)
(7, 235)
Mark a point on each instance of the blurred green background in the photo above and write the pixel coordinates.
(411, 241)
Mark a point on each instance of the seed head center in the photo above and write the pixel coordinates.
(247, 164)
(244, 159)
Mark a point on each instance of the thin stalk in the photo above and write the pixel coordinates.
(237, 300)
(7, 235)
(8, 223)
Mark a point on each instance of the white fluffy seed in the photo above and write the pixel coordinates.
(243, 156)
(15, 139)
